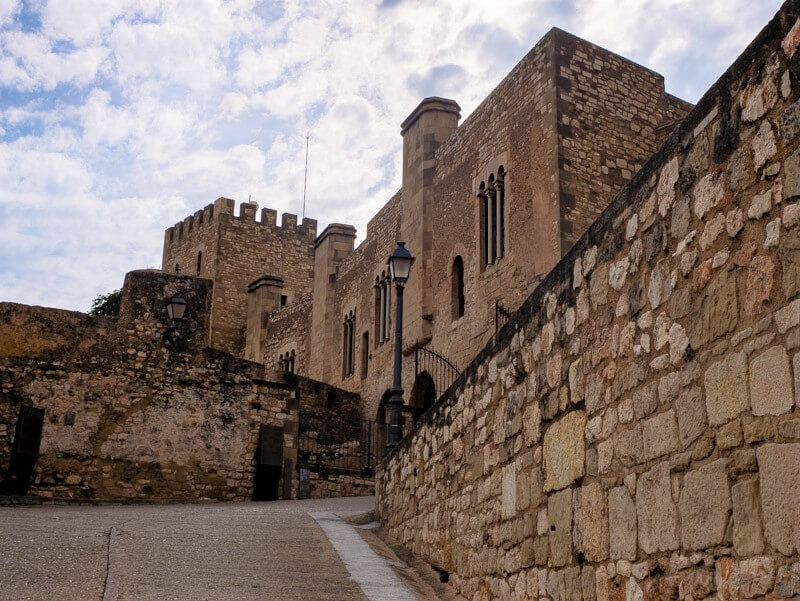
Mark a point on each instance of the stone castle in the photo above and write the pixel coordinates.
(487, 207)
(602, 343)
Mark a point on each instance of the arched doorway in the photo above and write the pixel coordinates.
(423, 395)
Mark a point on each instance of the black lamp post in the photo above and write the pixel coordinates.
(399, 267)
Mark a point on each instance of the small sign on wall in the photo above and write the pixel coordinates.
(304, 489)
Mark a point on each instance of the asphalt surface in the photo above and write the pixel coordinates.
(211, 552)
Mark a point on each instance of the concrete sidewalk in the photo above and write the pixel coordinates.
(211, 552)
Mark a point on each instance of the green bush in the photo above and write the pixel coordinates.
(106, 304)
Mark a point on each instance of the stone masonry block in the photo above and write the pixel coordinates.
(779, 481)
(564, 451)
(559, 512)
(592, 538)
(660, 435)
(771, 382)
(509, 499)
(691, 412)
(628, 446)
(622, 524)
(748, 538)
(656, 515)
(726, 388)
(705, 505)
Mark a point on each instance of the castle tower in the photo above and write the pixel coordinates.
(235, 251)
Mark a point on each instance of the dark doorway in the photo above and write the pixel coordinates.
(24, 451)
(423, 394)
(269, 463)
(267, 483)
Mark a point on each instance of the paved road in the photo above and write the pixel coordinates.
(290, 550)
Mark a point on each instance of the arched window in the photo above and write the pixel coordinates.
(177, 268)
(199, 260)
(281, 364)
(492, 206)
(364, 354)
(291, 362)
(383, 307)
(348, 344)
(457, 283)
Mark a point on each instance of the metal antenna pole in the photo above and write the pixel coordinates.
(305, 180)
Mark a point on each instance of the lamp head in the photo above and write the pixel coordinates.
(176, 307)
(400, 263)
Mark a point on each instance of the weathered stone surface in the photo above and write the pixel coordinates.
(629, 445)
(773, 233)
(726, 388)
(705, 505)
(509, 498)
(771, 382)
(559, 512)
(740, 172)
(729, 435)
(748, 538)
(760, 205)
(592, 539)
(787, 582)
(759, 283)
(791, 175)
(719, 310)
(657, 517)
(763, 145)
(622, 524)
(660, 435)
(645, 400)
(691, 412)
(564, 451)
(779, 481)
(752, 578)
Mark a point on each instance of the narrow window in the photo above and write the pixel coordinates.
(457, 278)
(364, 354)
(493, 219)
(291, 362)
(378, 315)
(348, 345)
(199, 260)
(284, 300)
(345, 325)
(281, 366)
(501, 210)
(485, 243)
(177, 268)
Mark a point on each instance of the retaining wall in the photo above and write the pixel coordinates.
(633, 431)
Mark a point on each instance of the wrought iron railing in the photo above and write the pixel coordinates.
(501, 316)
(440, 369)
(333, 441)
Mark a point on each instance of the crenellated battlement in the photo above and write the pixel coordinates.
(248, 212)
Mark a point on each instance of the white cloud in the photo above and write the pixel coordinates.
(8, 8)
(134, 113)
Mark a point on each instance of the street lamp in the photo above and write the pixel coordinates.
(399, 267)
(176, 306)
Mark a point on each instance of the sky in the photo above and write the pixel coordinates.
(118, 118)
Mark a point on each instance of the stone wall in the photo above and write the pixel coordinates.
(634, 431)
(136, 407)
(287, 330)
(327, 483)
